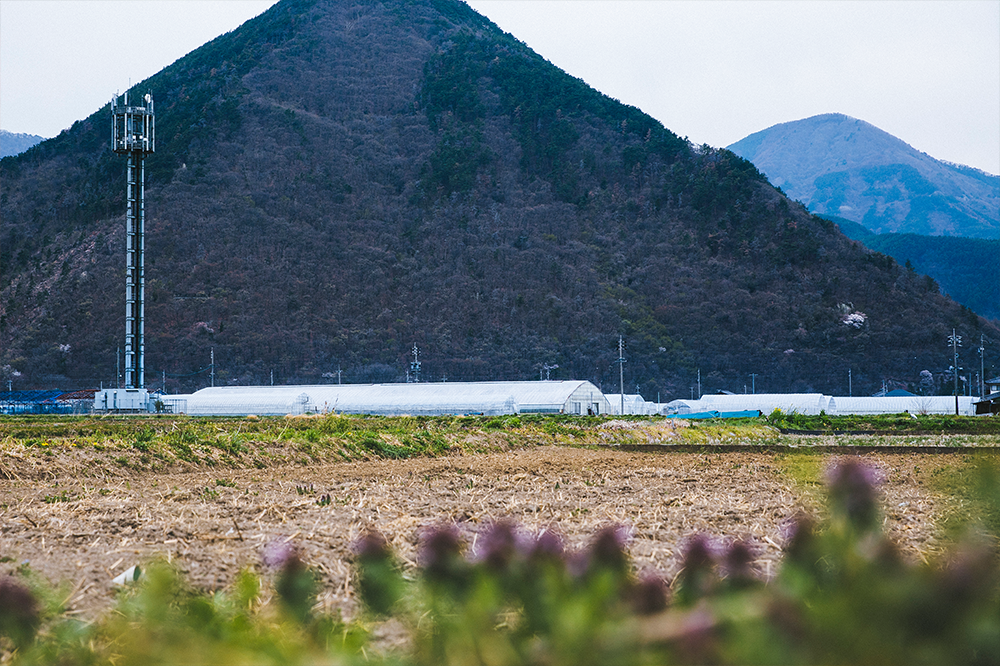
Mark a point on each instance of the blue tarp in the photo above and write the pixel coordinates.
(746, 414)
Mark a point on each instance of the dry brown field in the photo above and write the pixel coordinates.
(80, 526)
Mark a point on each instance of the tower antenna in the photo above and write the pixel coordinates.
(133, 134)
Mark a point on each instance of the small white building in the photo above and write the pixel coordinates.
(488, 398)
(122, 400)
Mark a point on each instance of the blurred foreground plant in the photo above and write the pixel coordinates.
(843, 594)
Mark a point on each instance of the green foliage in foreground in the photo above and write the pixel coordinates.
(843, 594)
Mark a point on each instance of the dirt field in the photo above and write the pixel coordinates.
(85, 531)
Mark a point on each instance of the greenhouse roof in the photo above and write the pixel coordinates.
(426, 398)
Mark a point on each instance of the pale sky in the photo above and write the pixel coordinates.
(713, 71)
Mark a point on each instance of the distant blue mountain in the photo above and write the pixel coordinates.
(13, 144)
(842, 166)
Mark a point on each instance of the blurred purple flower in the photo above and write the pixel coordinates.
(547, 546)
(736, 562)
(279, 554)
(607, 549)
(649, 595)
(697, 574)
(439, 548)
(372, 546)
(698, 554)
(498, 545)
(852, 491)
(798, 535)
(19, 612)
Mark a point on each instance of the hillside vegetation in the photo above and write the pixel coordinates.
(336, 181)
(967, 269)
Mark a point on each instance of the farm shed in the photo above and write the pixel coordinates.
(990, 403)
(916, 404)
(490, 398)
(46, 402)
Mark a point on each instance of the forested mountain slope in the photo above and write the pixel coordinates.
(838, 165)
(967, 269)
(337, 180)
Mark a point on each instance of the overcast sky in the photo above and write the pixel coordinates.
(927, 72)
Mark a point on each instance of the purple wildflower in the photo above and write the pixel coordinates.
(499, 545)
(736, 563)
(852, 491)
(649, 595)
(799, 535)
(295, 583)
(279, 554)
(372, 546)
(697, 576)
(19, 612)
(439, 550)
(607, 550)
(547, 546)
(380, 584)
(698, 554)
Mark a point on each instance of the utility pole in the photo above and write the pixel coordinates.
(956, 342)
(621, 372)
(118, 368)
(272, 377)
(982, 368)
(213, 366)
(699, 383)
(850, 384)
(753, 383)
(338, 375)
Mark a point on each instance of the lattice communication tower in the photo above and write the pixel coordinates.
(133, 134)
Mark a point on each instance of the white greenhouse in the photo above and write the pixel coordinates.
(914, 404)
(634, 404)
(793, 403)
(488, 398)
(814, 403)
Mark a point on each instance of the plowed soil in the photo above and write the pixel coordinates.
(83, 532)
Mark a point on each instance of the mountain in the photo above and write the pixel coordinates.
(12, 143)
(968, 269)
(337, 181)
(838, 165)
